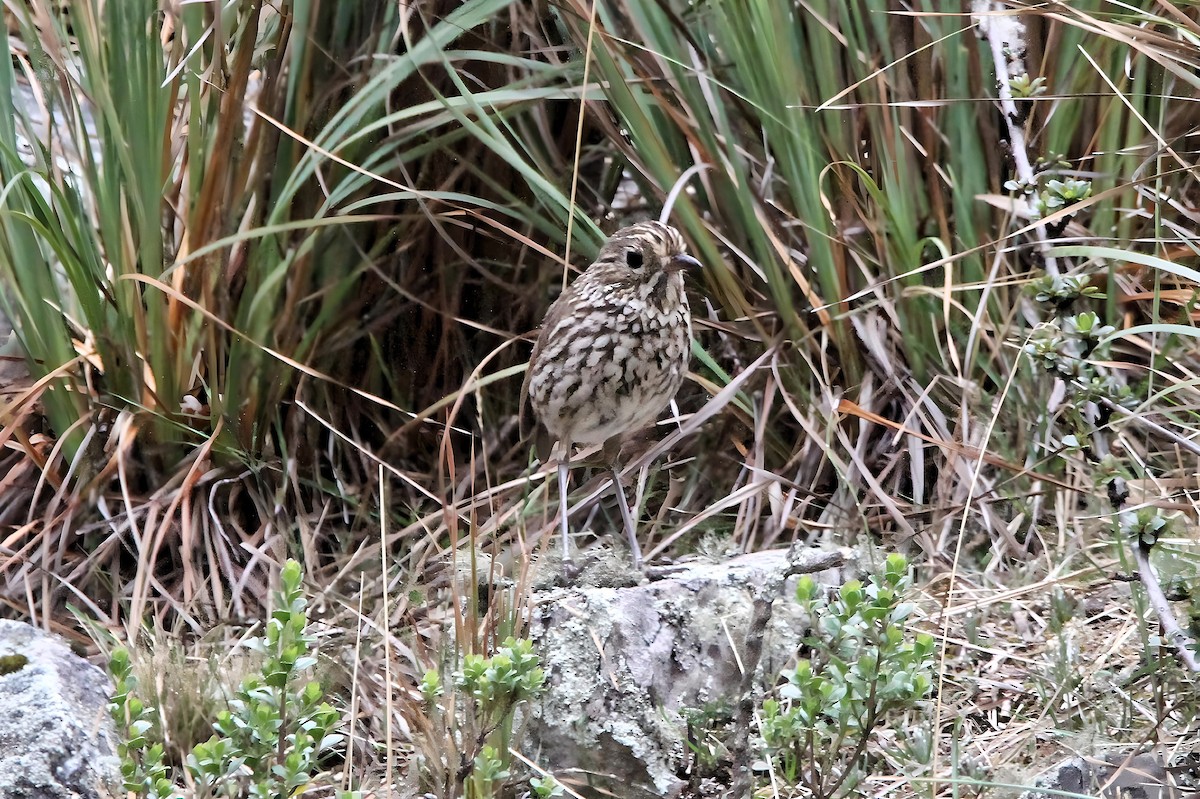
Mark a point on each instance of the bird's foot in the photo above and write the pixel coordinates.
(570, 571)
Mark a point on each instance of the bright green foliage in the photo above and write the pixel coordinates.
(1088, 328)
(1145, 525)
(489, 770)
(1022, 86)
(431, 686)
(507, 677)
(863, 667)
(1062, 193)
(1057, 194)
(270, 741)
(480, 711)
(1062, 290)
(142, 767)
(546, 787)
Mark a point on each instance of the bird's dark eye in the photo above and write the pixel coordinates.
(634, 259)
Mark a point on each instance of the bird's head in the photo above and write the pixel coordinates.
(646, 249)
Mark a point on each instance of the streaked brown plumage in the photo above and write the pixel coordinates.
(613, 349)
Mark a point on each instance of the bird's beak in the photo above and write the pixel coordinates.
(681, 262)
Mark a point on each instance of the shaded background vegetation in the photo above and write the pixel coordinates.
(274, 269)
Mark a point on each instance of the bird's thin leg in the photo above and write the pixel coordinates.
(564, 465)
(627, 518)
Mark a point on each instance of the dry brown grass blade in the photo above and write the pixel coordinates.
(852, 409)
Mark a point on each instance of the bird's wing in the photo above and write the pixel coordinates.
(557, 309)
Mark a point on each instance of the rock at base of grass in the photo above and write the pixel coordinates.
(1116, 775)
(625, 665)
(56, 736)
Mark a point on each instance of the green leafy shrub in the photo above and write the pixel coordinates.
(863, 667)
(272, 738)
(142, 766)
(479, 714)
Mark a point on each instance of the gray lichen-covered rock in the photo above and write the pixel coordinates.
(623, 662)
(56, 737)
(1116, 775)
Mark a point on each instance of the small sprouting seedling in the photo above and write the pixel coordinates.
(1062, 194)
(1145, 525)
(1062, 290)
(489, 769)
(1088, 329)
(707, 728)
(498, 682)
(546, 787)
(1023, 87)
(431, 686)
(864, 667)
(1108, 469)
(1062, 609)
